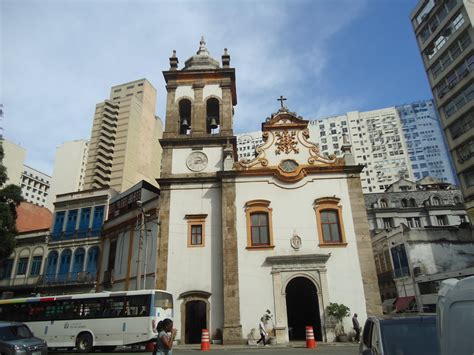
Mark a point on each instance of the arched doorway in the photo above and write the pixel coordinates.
(302, 308)
(195, 321)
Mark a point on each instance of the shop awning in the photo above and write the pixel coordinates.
(402, 303)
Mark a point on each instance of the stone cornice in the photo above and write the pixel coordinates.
(204, 141)
(290, 262)
(196, 178)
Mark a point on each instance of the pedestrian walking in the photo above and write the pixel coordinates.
(263, 331)
(356, 326)
(165, 338)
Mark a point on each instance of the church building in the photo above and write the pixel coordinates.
(286, 231)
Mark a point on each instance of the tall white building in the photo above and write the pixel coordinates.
(426, 143)
(35, 186)
(247, 143)
(378, 143)
(69, 168)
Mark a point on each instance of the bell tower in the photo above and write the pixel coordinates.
(197, 183)
(201, 96)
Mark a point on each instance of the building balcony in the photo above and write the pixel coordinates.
(18, 282)
(70, 278)
(82, 233)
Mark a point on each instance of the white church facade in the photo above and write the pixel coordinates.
(285, 232)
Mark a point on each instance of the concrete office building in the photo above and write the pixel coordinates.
(35, 186)
(124, 147)
(425, 141)
(444, 33)
(69, 168)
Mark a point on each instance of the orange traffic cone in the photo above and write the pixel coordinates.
(310, 342)
(205, 345)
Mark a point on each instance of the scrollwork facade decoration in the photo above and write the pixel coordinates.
(286, 142)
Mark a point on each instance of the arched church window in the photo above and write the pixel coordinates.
(329, 221)
(212, 115)
(185, 116)
(259, 224)
(436, 201)
(383, 203)
(412, 202)
(404, 202)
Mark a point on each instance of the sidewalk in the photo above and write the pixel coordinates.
(293, 344)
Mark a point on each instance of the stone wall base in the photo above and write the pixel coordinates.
(232, 335)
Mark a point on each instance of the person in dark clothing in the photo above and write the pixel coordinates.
(356, 326)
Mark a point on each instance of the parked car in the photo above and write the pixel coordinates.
(400, 335)
(17, 339)
(456, 316)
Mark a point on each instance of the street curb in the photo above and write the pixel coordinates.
(197, 347)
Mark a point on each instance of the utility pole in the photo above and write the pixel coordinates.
(141, 227)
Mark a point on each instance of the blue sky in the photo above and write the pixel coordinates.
(60, 58)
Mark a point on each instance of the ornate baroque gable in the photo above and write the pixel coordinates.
(287, 152)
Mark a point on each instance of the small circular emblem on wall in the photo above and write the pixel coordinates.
(295, 242)
(196, 161)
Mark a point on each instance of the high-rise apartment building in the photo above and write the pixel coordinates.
(394, 142)
(425, 142)
(69, 168)
(377, 142)
(445, 35)
(124, 147)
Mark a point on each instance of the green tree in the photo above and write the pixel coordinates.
(10, 198)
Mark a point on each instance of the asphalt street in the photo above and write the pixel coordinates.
(349, 349)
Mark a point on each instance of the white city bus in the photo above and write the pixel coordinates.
(92, 320)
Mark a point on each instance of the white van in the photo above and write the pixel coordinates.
(455, 316)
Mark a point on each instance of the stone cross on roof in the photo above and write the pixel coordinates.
(281, 99)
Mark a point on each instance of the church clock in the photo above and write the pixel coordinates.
(196, 161)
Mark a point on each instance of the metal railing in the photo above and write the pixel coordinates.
(70, 278)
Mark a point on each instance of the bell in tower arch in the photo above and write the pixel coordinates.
(213, 123)
(212, 115)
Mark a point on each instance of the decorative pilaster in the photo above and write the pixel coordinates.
(232, 332)
(163, 240)
(172, 113)
(198, 122)
(227, 108)
(364, 247)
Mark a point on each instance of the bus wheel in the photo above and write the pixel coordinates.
(106, 349)
(84, 343)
